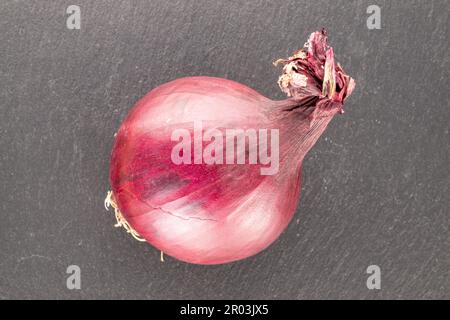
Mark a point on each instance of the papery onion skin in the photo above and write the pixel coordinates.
(212, 214)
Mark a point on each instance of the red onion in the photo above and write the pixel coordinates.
(176, 185)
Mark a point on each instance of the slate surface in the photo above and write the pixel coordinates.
(375, 188)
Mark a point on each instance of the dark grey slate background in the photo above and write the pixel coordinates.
(376, 186)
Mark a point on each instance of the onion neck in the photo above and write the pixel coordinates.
(302, 122)
(317, 87)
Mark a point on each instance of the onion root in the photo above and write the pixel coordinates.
(121, 222)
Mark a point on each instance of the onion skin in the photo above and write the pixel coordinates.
(213, 214)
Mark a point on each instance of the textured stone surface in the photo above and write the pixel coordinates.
(375, 188)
